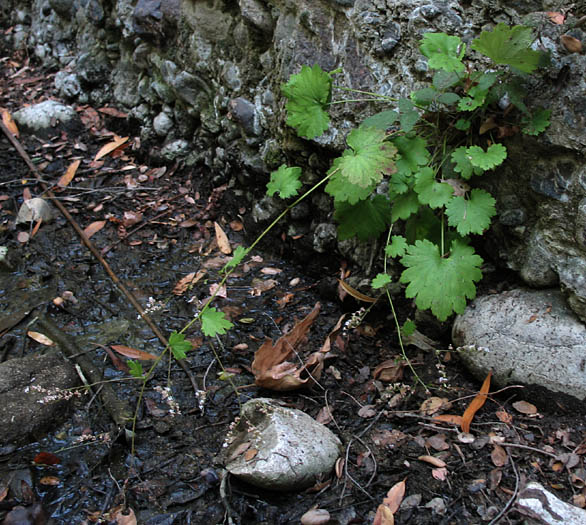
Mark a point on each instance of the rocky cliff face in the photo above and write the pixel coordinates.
(202, 77)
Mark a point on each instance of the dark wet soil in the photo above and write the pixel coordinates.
(173, 475)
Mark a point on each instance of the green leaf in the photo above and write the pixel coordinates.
(448, 98)
(462, 163)
(309, 94)
(425, 96)
(382, 120)
(471, 215)
(214, 322)
(431, 192)
(443, 51)
(536, 123)
(369, 157)
(135, 368)
(179, 345)
(408, 115)
(408, 328)
(239, 253)
(441, 283)
(445, 79)
(489, 159)
(399, 183)
(398, 246)
(485, 81)
(381, 280)
(412, 153)
(462, 124)
(404, 206)
(365, 220)
(475, 99)
(285, 181)
(343, 191)
(510, 46)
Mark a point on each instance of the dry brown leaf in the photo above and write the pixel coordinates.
(40, 338)
(222, 240)
(9, 123)
(437, 442)
(125, 519)
(259, 286)
(383, 516)
(389, 371)
(573, 45)
(67, 177)
(367, 411)
(110, 147)
(448, 418)
(133, 353)
(476, 404)
(270, 271)
(94, 228)
(434, 404)
(355, 293)
(324, 416)
(51, 481)
(131, 218)
(499, 456)
(504, 416)
(113, 112)
(439, 473)
(250, 454)
(555, 17)
(187, 282)
(271, 367)
(432, 460)
(525, 408)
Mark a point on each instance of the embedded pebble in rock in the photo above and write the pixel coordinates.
(45, 115)
(524, 336)
(175, 149)
(279, 448)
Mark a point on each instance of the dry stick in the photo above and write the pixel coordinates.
(94, 250)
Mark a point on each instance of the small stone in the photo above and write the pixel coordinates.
(34, 210)
(279, 448)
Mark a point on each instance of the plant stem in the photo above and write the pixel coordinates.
(377, 95)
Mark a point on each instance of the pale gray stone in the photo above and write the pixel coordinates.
(44, 115)
(293, 449)
(524, 336)
(546, 508)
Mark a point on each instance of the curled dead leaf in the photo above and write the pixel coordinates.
(67, 177)
(572, 45)
(432, 460)
(222, 240)
(476, 404)
(133, 353)
(40, 338)
(355, 293)
(434, 404)
(110, 147)
(390, 371)
(9, 122)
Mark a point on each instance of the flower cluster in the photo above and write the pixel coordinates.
(167, 396)
(53, 394)
(152, 306)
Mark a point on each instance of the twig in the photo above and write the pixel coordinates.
(526, 447)
(95, 251)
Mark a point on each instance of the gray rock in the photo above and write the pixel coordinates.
(33, 210)
(23, 415)
(324, 237)
(174, 149)
(257, 14)
(243, 112)
(524, 336)
(44, 116)
(546, 508)
(67, 84)
(162, 124)
(293, 450)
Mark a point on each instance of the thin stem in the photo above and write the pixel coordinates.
(377, 95)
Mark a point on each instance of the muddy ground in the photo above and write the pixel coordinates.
(159, 227)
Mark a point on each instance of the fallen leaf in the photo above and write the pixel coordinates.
(40, 338)
(50, 481)
(476, 404)
(339, 467)
(125, 519)
(271, 271)
(555, 17)
(236, 226)
(271, 367)
(9, 122)
(390, 505)
(133, 353)
(240, 449)
(355, 293)
(259, 286)
(525, 408)
(93, 228)
(67, 177)
(222, 240)
(434, 404)
(250, 454)
(390, 371)
(499, 456)
(324, 416)
(367, 411)
(187, 282)
(111, 146)
(46, 458)
(437, 442)
(432, 460)
(131, 218)
(504, 416)
(439, 473)
(315, 517)
(388, 438)
(573, 45)
(112, 112)
(219, 291)
(283, 301)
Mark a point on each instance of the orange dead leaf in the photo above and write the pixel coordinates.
(67, 177)
(271, 367)
(50, 481)
(222, 240)
(250, 454)
(9, 123)
(525, 408)
(476, 404)
(432, 460)
(448, 418)
(133, 353)
(573, 45)
(390, 505)
(355, 293)
(94, 228)
(112, 112)
(46, 458)
(110, 147)
(499, 456)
